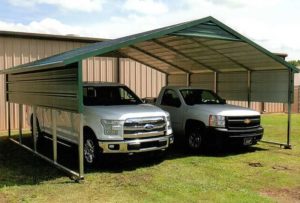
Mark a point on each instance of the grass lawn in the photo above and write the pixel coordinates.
(263, 173)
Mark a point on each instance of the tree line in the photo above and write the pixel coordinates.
(295, 62)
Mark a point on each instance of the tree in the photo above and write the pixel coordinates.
(295, 62)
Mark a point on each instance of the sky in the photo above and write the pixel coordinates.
(273, 24)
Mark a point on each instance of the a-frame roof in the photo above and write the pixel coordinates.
(191, 47)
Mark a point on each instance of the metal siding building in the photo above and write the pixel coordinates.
(297, 79)
(21, 48)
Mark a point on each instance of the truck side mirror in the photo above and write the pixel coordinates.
(149, 100)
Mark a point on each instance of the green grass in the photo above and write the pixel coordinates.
(180, 177)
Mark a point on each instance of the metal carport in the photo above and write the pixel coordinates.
(203, 53)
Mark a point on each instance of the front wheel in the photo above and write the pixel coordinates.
(91, 151)
(195, 138)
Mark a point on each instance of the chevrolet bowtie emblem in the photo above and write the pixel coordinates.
(247, 121)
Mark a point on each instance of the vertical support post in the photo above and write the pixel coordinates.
(249, 89)
(54, 135)
(216, 83)
(80, 130)
(290, 93)
(20, 122)
(188, 79)
(80, 147)
(118, 71)
(262, 107)
(8, 106)
(34, 127)
(167, 79)
(8, 118)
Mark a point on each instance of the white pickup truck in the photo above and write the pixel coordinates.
(203, 118)
(115, 120)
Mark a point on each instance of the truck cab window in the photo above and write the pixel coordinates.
(170, 98)
(198, 96)
(125, 95)
(110, 95)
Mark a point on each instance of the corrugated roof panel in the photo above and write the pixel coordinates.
(170, 55)
(148, 60)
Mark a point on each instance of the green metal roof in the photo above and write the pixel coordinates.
(206, 29)
(179, 47)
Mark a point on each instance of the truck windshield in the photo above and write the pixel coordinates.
(198, 96)
(109, 96)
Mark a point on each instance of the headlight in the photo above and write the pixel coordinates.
(216, 121)
(111, 127)
(168, 122)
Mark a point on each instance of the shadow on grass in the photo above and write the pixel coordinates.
(20, 167)
(178, 152)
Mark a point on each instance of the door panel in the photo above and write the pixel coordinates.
(171, 103)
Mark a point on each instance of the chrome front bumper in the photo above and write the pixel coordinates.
(136, 145)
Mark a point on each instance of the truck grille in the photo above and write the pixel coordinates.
(245, 122)
(144, 127)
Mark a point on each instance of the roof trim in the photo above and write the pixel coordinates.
(31, 68)
(31, 35)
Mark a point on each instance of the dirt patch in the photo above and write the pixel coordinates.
(284, 195)
(280, 168)
(3, 199)
(255, 164)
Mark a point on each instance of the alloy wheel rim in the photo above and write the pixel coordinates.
(89, 151)
(194, 140)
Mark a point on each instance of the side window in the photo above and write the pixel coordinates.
(89, 92)
(207, 96)
(125, 95)
(89, 95)
(170, 98)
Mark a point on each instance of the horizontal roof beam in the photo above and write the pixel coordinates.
(229, 58)
(146, 64)
(160, 59)
(183, 54)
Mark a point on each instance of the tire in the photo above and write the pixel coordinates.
(195, 136)
(91, 150)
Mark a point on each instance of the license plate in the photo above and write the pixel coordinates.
(248, 141)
